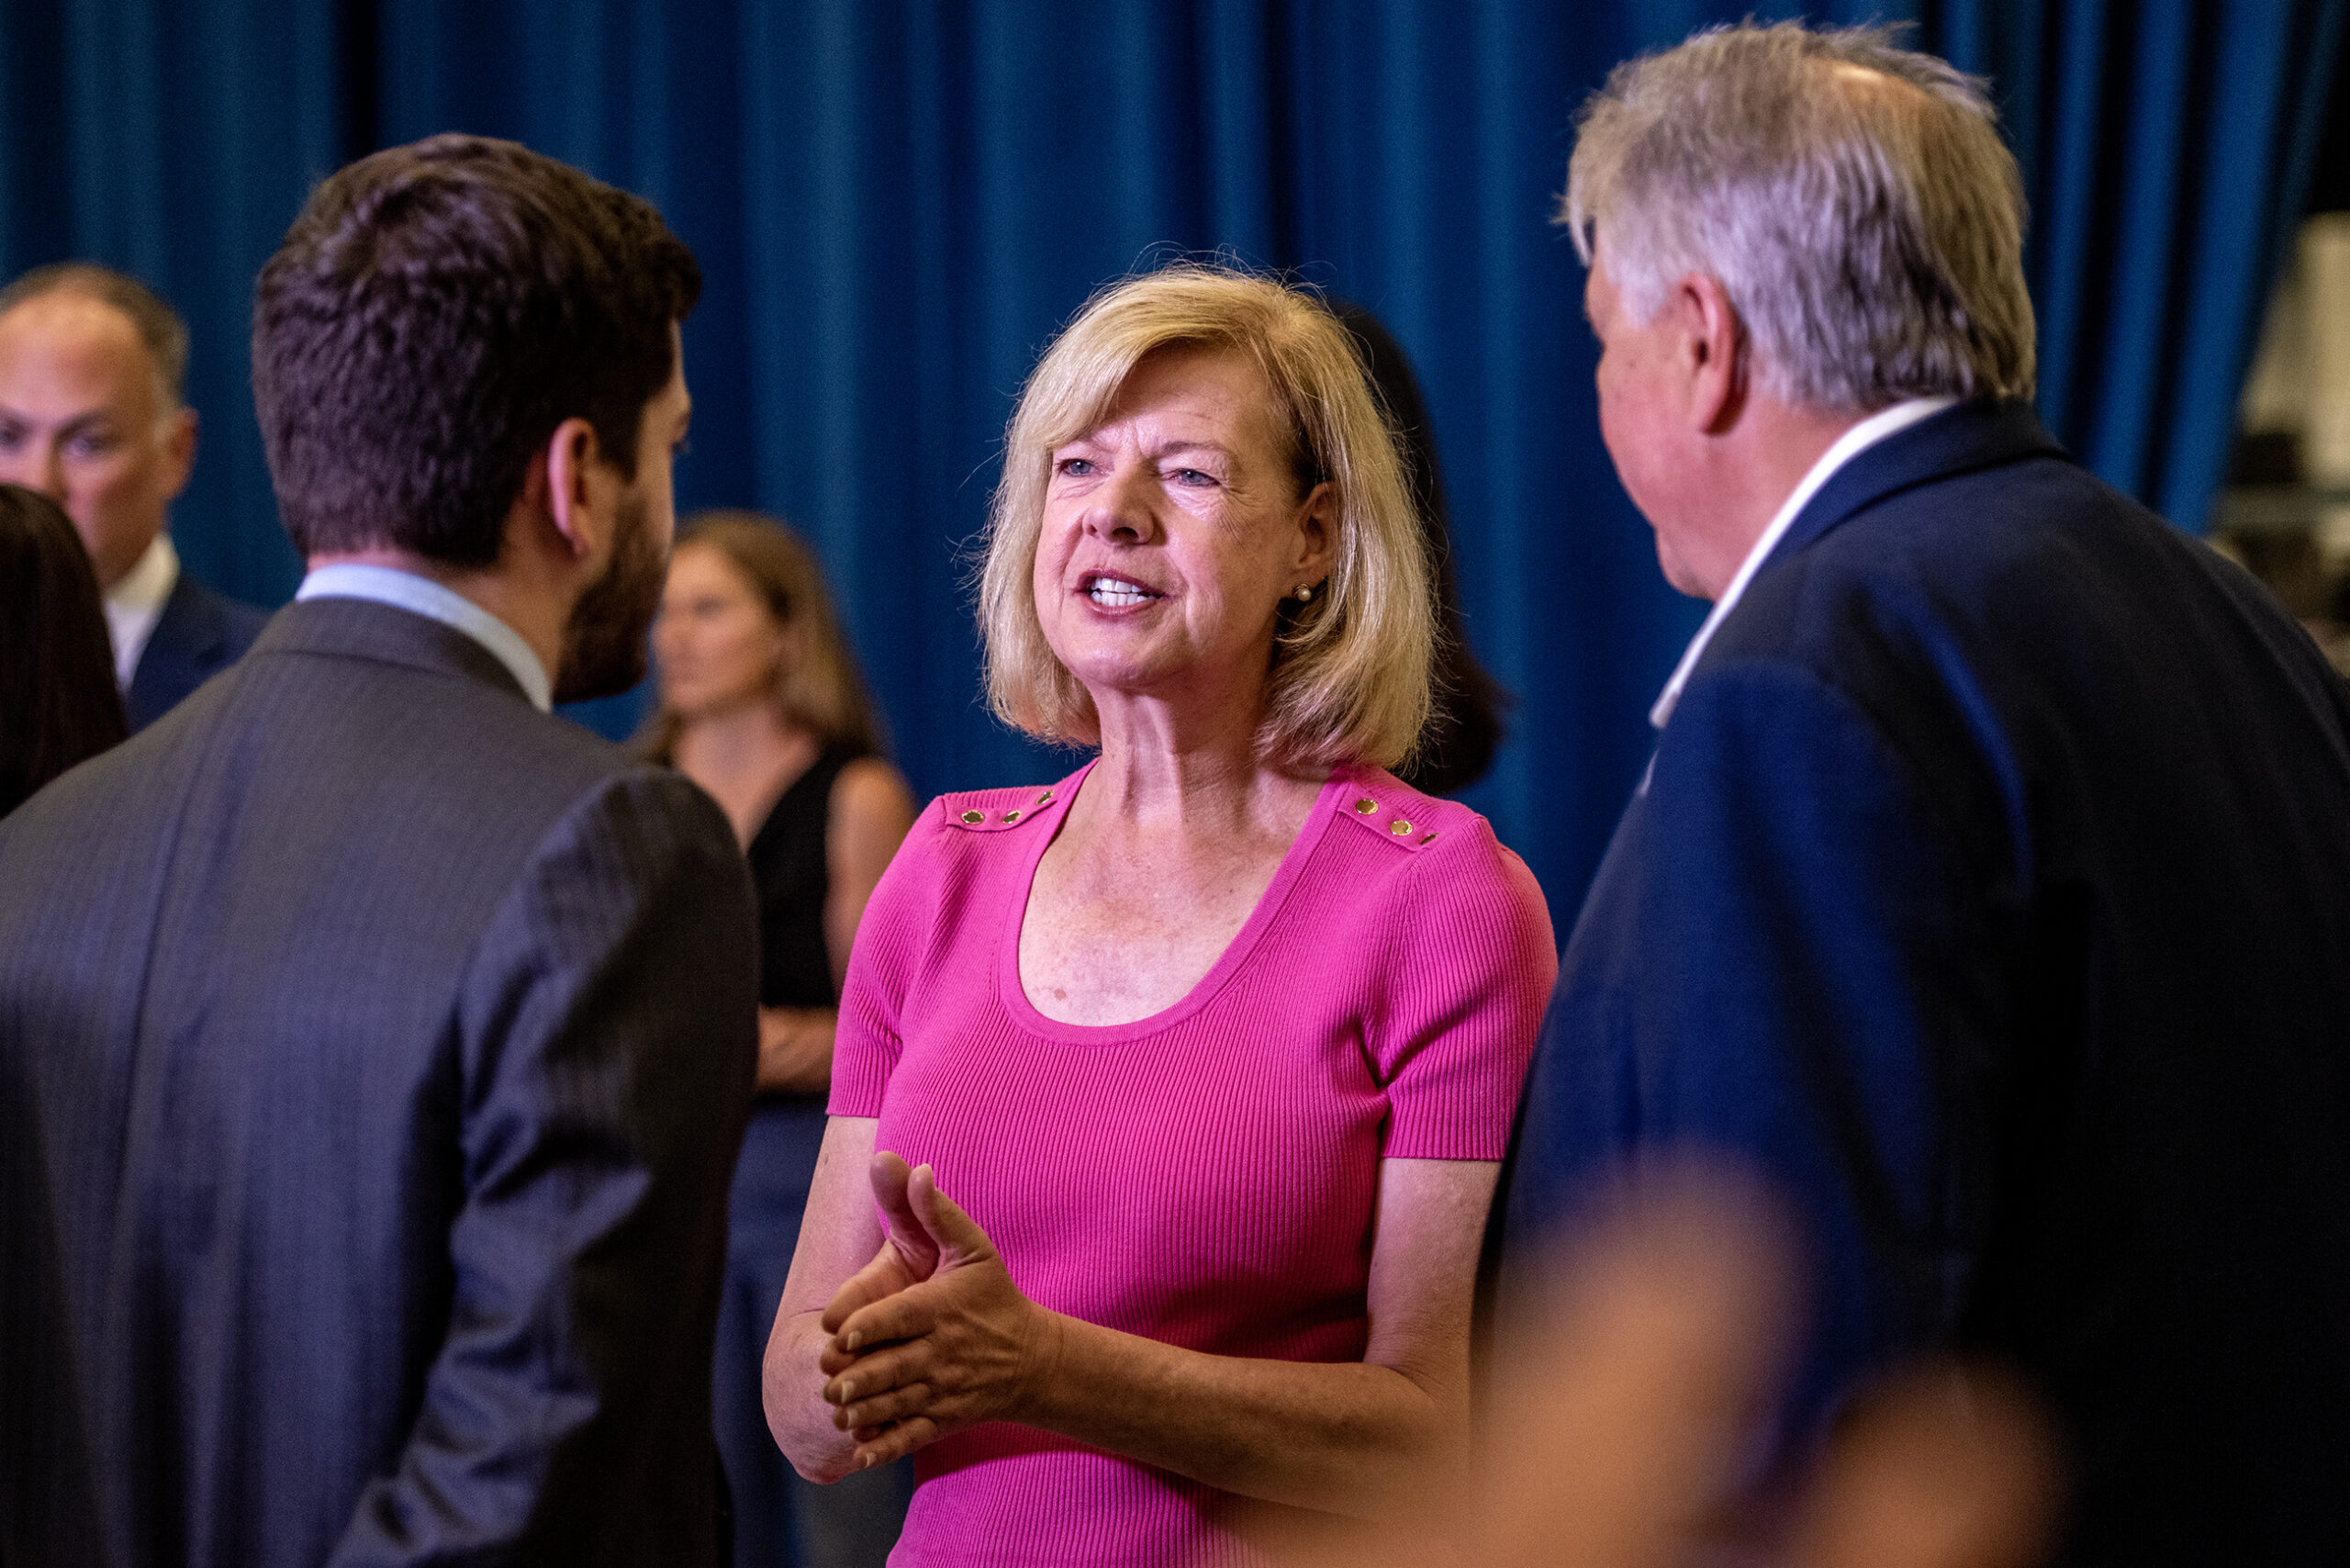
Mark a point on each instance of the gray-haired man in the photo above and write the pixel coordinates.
(93, 366)
(1989, 889)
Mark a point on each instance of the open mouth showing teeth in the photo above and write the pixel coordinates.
(1112, 594)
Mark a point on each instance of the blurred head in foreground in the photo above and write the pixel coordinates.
(1620, 1432)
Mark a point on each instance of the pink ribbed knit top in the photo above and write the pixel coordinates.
(1203, 1176)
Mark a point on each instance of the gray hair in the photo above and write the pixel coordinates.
(160, 327)
(1853, 200)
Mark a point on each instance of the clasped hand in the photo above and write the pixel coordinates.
(932, 1336)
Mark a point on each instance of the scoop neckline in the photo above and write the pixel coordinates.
(1013, 996)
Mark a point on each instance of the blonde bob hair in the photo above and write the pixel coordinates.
(1351, 672)
(821, 691)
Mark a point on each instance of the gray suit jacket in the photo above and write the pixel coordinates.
(373, 1055)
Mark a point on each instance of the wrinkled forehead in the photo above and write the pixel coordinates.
(1202, 376)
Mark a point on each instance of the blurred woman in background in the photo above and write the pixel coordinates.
(1466, 724)
(762, 705)
(59, 703)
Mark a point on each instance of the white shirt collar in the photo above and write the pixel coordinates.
(422, 595)
(1849, 445)
(136, 603)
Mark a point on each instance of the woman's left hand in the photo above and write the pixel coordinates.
(961, 1347)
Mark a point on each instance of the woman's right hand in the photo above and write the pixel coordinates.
(908, 1363)
(908, 1255)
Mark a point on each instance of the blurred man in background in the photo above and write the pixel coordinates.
(92, 372)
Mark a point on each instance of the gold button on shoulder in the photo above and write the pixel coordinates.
(1045, 798)
(1365, 806)
(1427, 838)
(1012, 816)
(1400, 828)
(975, 818)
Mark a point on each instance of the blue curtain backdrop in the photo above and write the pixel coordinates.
(898, 201)
(176, 141)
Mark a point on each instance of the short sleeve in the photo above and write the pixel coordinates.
(1470, 964)
(881, 961)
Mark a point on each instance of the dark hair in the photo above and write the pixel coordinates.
(1465, 724)
(822, 692)
(58, 701)
(160, 327)
(435, 313)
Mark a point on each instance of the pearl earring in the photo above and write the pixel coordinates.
(1305, 593)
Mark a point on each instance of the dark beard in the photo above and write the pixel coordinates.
(603, 643)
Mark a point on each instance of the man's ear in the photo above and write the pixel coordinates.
(568, 502)
(1714, 351)
(179, 451)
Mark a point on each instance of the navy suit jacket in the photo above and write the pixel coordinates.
(373, 1054)
(1989, 892)
(199, 635)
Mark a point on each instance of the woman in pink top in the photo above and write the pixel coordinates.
(1216, 1043)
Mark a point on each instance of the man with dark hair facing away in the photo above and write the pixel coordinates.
(94, 415)
(375, 1047)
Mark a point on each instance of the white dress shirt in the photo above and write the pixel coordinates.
(136, 603)
(422, 595)
(1851, 444)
